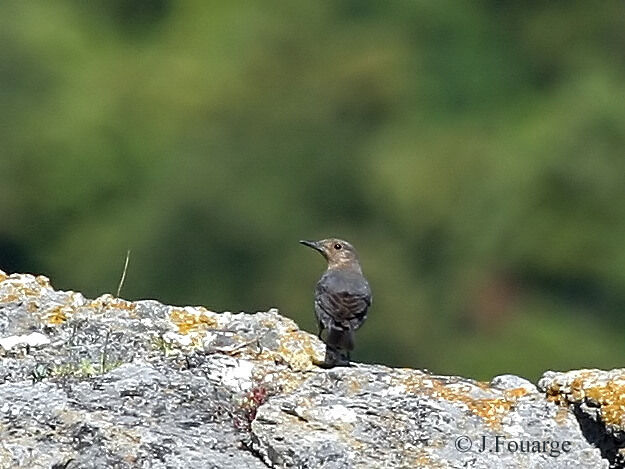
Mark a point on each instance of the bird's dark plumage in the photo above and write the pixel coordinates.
(342, 298)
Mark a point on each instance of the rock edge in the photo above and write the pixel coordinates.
(113, 383)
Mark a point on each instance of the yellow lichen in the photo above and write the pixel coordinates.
(577, 387)
(43, 281)
(267, 323)
(553, 394)
(491, 409)
(110, 302)
(189, 322)
(28, 289)
(3, 276)
(9, 298)
(611, 398)
(485, 385)
(608, 396)
(16, 291)
(570, 393)
(561, 416)
(422, 458)
(353, 385)
(296, 348)
(289, 382)
(57, 315)
(514, 394)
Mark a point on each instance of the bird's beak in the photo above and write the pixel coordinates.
(312, 244)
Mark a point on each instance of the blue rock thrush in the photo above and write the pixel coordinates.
(342, 298)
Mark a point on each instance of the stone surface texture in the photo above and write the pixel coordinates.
(112, 383)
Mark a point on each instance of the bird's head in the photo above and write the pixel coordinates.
(339, 254)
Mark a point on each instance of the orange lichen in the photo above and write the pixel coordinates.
(3, 276)
(561, 415)
(110, 302)
(421, 458)
(296, 348)
(9, 298)
(553, 394)
(611, 398)
(43, 281)
(285, 380)
(485, 385)
(491, 409)
(514, 394)
(17, 291)
(267, 323)
(575, 392)
(189, 322)
(118, 303)
(578, 391)
(31, 291)
(57, 315)
(353, 385)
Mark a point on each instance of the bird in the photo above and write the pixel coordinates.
(342, 299)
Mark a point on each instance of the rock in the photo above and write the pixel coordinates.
(597, 398)
(504, 382)
(373, 416)
(113, 383)
(31, 340)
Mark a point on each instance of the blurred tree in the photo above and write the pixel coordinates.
(472, 151)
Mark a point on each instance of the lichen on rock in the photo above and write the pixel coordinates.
(598, 399)
(118, 383)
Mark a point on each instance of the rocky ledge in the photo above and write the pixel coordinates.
(112, 383)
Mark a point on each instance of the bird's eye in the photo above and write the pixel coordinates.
(337, 246)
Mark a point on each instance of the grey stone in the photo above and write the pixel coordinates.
(597, 398)
(113, 383)
(504, 382)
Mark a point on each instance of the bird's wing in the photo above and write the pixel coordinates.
(343, 306)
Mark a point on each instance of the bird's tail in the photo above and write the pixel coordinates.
(341, 339)
(339, 342)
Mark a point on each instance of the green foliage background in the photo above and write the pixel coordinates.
(473, 151)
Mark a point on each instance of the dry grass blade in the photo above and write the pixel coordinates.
(121, 281)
